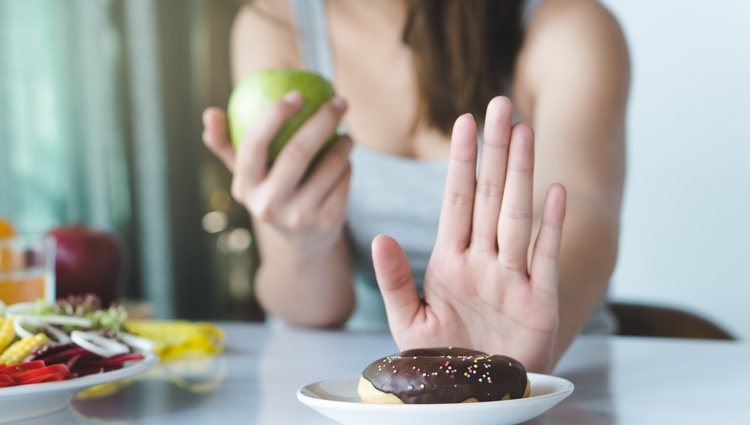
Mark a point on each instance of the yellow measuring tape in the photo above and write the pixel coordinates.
(174, 340)
(177, 338)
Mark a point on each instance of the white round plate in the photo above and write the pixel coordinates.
(28, 401)
(338, 400)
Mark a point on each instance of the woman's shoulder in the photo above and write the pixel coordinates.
(552, 19)
(572, 42)
(263, 35)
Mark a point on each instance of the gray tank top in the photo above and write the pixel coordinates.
(397, 196)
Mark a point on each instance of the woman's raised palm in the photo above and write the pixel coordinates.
(482, 289)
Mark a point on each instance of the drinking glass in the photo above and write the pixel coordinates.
(27, 269)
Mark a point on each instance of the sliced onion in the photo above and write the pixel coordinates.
(98, 344)
(18, 327)
(57, 320)
(59, 336)
(137, 342)
(21, 308)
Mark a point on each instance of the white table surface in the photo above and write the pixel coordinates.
(619, 380)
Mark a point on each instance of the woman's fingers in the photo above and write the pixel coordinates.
(454, 228)
(395, 281)
(322, 197)
(332, 210)
(295, 158)
(215, 136)
(545, 257)
(515, 221)
(327, 173)
(491, 180)
(252, 155)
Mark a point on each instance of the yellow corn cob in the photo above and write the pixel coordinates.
(6, 332)
(22, 348)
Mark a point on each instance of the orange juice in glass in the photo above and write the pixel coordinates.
(27, 269)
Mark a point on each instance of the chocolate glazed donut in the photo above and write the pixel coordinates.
(443, 375)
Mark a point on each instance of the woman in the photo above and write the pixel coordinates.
(404, 70)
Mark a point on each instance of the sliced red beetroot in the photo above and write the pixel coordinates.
(88, 371)
(119, 360)
(48, 350)
(72, 361)
(65, 356)
(90, 361)
(109, 363)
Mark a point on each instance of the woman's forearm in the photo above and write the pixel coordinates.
(306, 286)
(587, 260)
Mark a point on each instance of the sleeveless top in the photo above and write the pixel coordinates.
(397, 196)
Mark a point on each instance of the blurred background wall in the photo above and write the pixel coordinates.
(686, 218)
(100, 105)
(100, 124)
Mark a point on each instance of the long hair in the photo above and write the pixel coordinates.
(464, 54)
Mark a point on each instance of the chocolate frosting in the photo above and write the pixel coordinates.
(447, 375)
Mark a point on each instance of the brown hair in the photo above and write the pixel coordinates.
(464, 54)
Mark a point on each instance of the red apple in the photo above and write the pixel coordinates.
(87, 261)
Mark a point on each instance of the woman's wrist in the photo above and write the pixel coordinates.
(299, 247)
(309, 289)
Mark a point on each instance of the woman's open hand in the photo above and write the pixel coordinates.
(306, 208)
(481, 289)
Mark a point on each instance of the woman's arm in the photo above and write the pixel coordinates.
(492, 283)
(480, 289)
(572, 84)
(304, 276)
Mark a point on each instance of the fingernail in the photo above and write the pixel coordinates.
(339, 104)
(463, 122)
(348, 147)
(292, 98)
(205, 116)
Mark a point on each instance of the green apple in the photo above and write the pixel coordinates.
(253, 96)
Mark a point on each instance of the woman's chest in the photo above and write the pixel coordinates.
(377, 79)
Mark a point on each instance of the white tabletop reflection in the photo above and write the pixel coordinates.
(618, 380)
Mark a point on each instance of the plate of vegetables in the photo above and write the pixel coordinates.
(49, 352)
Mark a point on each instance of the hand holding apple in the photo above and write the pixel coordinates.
(87, 261)
(255, 94)
(304, 205)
